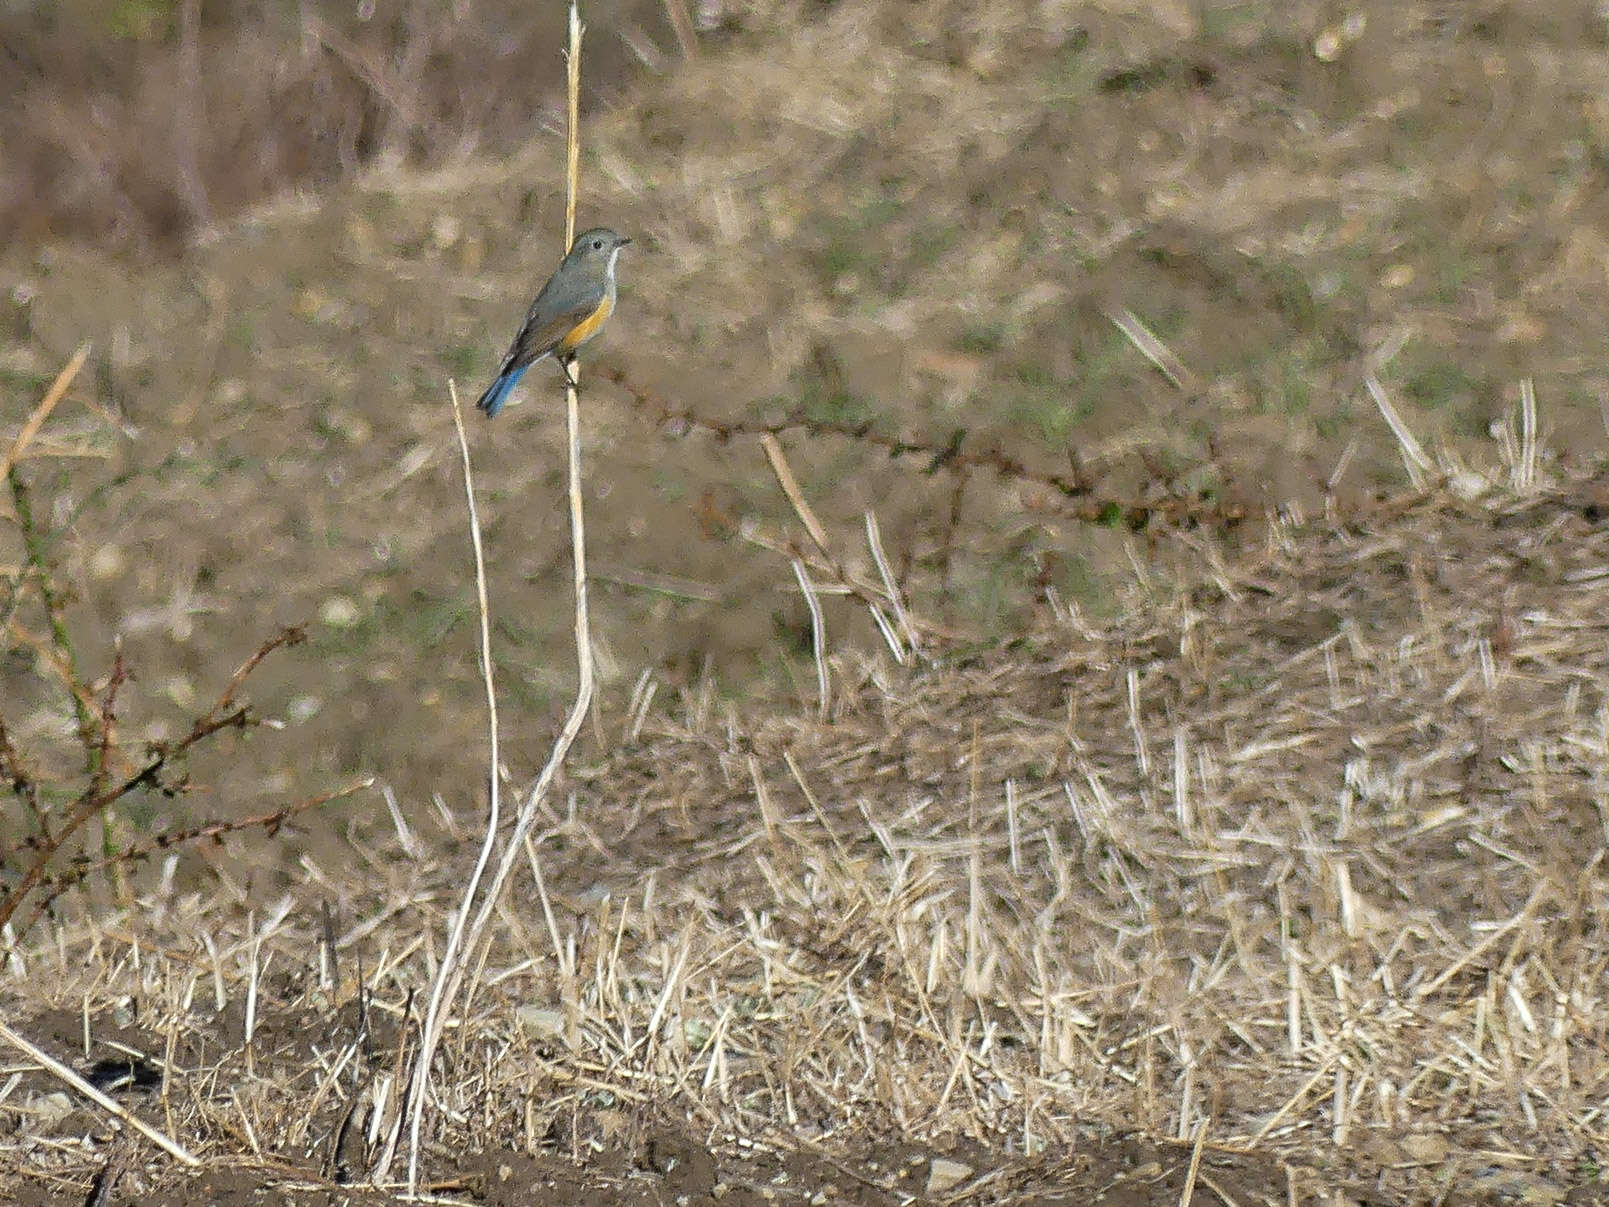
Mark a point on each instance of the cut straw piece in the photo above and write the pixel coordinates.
(1537, 894)
(790, 487)
(1419, 466)
(1194, 1170)
(818, 635)
(1153, 349)
(1524, 477)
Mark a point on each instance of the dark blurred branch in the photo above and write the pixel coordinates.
(382, 83)
(34, 551)
(20, 780)
(1075, 494)
(33, 542)
(191, 119)
(160, 768)
(215, 831)
(225, 714)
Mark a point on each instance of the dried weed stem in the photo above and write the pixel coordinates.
(462, 942)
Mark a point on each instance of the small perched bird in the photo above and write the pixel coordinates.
(573, 306)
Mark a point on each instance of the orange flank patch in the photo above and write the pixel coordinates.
(587, 327)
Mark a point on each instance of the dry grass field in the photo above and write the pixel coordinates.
(1230, 825)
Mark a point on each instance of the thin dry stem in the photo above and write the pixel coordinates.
(790, 487)
(451, 974)
(1418, 465)
(1153, 349)
(447, 976)
(47, 404)
(818, 634)
(1194, 1170)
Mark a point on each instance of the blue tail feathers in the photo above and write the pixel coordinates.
(497, 393)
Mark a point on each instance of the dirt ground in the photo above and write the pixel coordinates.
(670, 1167)
(1084, 303)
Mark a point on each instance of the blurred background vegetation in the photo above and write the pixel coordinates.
(141, 121)
(973, 225)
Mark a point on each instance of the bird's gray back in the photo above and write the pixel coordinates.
(566, 293)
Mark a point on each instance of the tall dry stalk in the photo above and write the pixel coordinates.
(578, 544)
(445, 991)
(445, 988)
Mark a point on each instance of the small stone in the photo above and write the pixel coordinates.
(1426, 1148)
(944, 1174)
(1515, 1186)
(304, 708)
(444, 231)
(339, 612)
(544, 1022)
(52, 1107)
(107, 562)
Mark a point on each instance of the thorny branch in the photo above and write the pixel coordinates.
(99, 795)
(1076, 492)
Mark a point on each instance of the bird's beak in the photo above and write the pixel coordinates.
(624, 240)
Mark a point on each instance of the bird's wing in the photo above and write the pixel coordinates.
(537, 340)
(552, 316)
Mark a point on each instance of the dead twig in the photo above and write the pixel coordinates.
(223, 715)
(36, 419)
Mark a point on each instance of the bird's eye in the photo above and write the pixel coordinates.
(597, 245)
